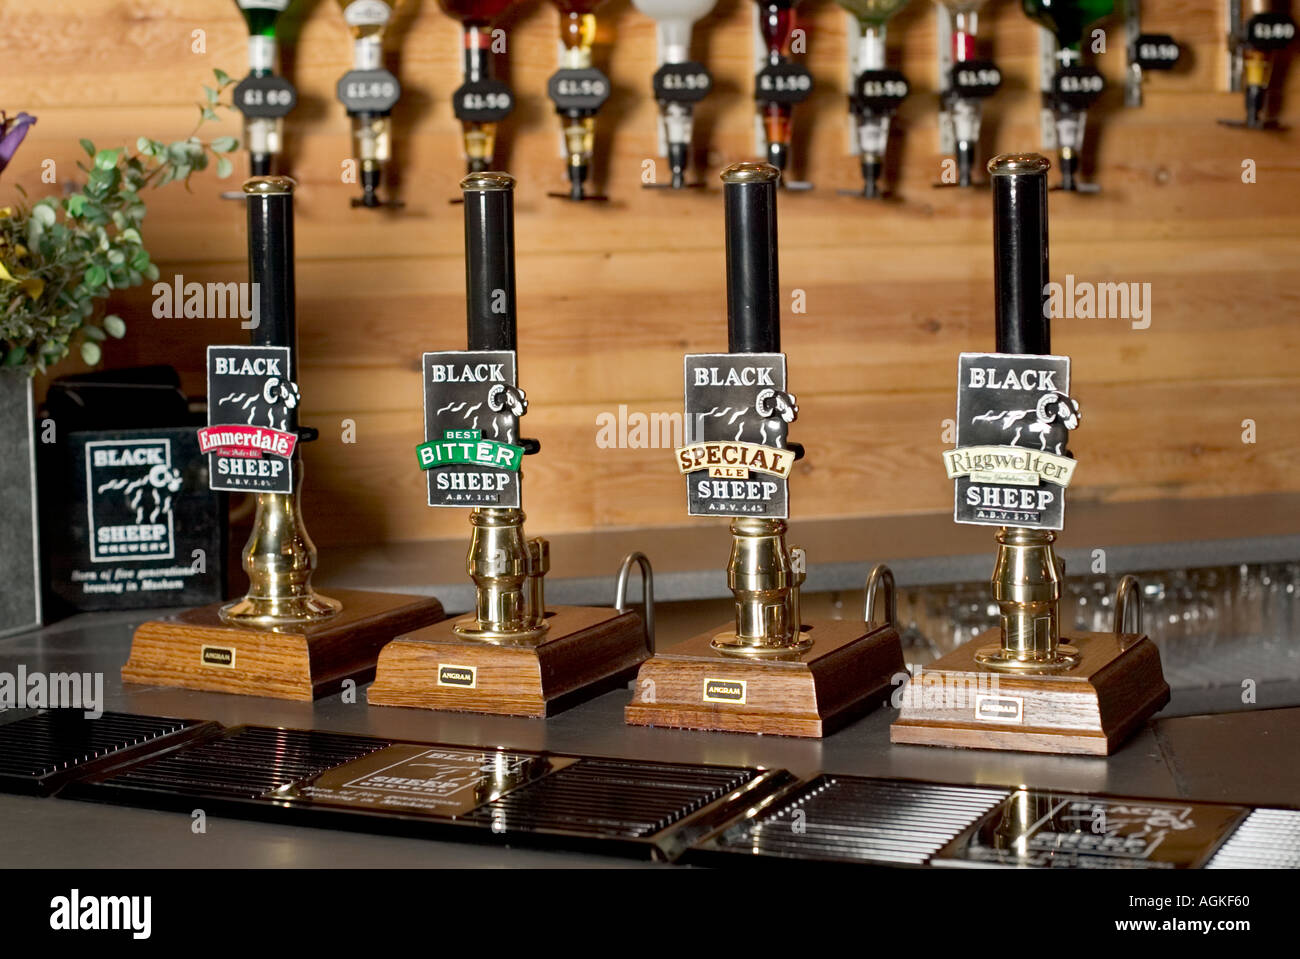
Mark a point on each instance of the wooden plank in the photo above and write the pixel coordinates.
(610, 297)
(1136, 442)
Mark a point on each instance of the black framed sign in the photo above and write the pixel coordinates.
(250, 437)
(137, 525)
(737, 415)
(472, 451)
(1011, 464)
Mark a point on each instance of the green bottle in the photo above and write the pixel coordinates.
(1068, 19)
(872, 13)
(262, 135)
(261, 17)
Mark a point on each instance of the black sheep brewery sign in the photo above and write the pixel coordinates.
(737, 416)
(472, 405)
(1014, 417)
(252, 419)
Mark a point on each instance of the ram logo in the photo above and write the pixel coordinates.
(497, 417)
(131, 490)
(270, 408)
(1046, 427)
(767, 422)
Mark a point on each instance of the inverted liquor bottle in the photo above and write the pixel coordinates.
(968, 83)
(877, 91)
(781, 83)
(1263, 30)
(578, 90)
(1075, 85)
(1146, 51)
(263, 131)
(482, 101)
(369, 92)
(679, 83)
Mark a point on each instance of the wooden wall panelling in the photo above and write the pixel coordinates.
(611, 296)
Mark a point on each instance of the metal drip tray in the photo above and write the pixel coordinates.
(850, 819)
(40, 753)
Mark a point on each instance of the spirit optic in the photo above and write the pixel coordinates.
(778, 88)
(1263, 29)
(263, 135)
(578, 90)
(369, 91)
(1074, 86)
(677, 90)
(874, 103)
(967, 84)
(481, 101)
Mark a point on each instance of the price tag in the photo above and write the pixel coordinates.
(682, 82)
(783, 82)
(482, 101)
(369, 91)
(880, 91)
(1078, 87)
(1269, 31)
(586, 89)
(975, 79)
(265, 96)
(1155, 51)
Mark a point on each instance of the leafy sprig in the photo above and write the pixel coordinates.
(61, 258)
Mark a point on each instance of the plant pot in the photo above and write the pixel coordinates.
(20, 588)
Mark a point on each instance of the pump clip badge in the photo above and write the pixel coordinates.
(252, 419)
(1014, 418)
(738, 413)
(472, 451)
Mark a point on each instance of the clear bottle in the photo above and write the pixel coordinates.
(966, 112)
(873, 126)
(674, 20)
(368, 22)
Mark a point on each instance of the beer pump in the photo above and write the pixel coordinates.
(680, 82)
(282, 638)
(1025, 686)
(482, 101)
(1258, 31)
(369, 92)
(768, 671)
(514, 654)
